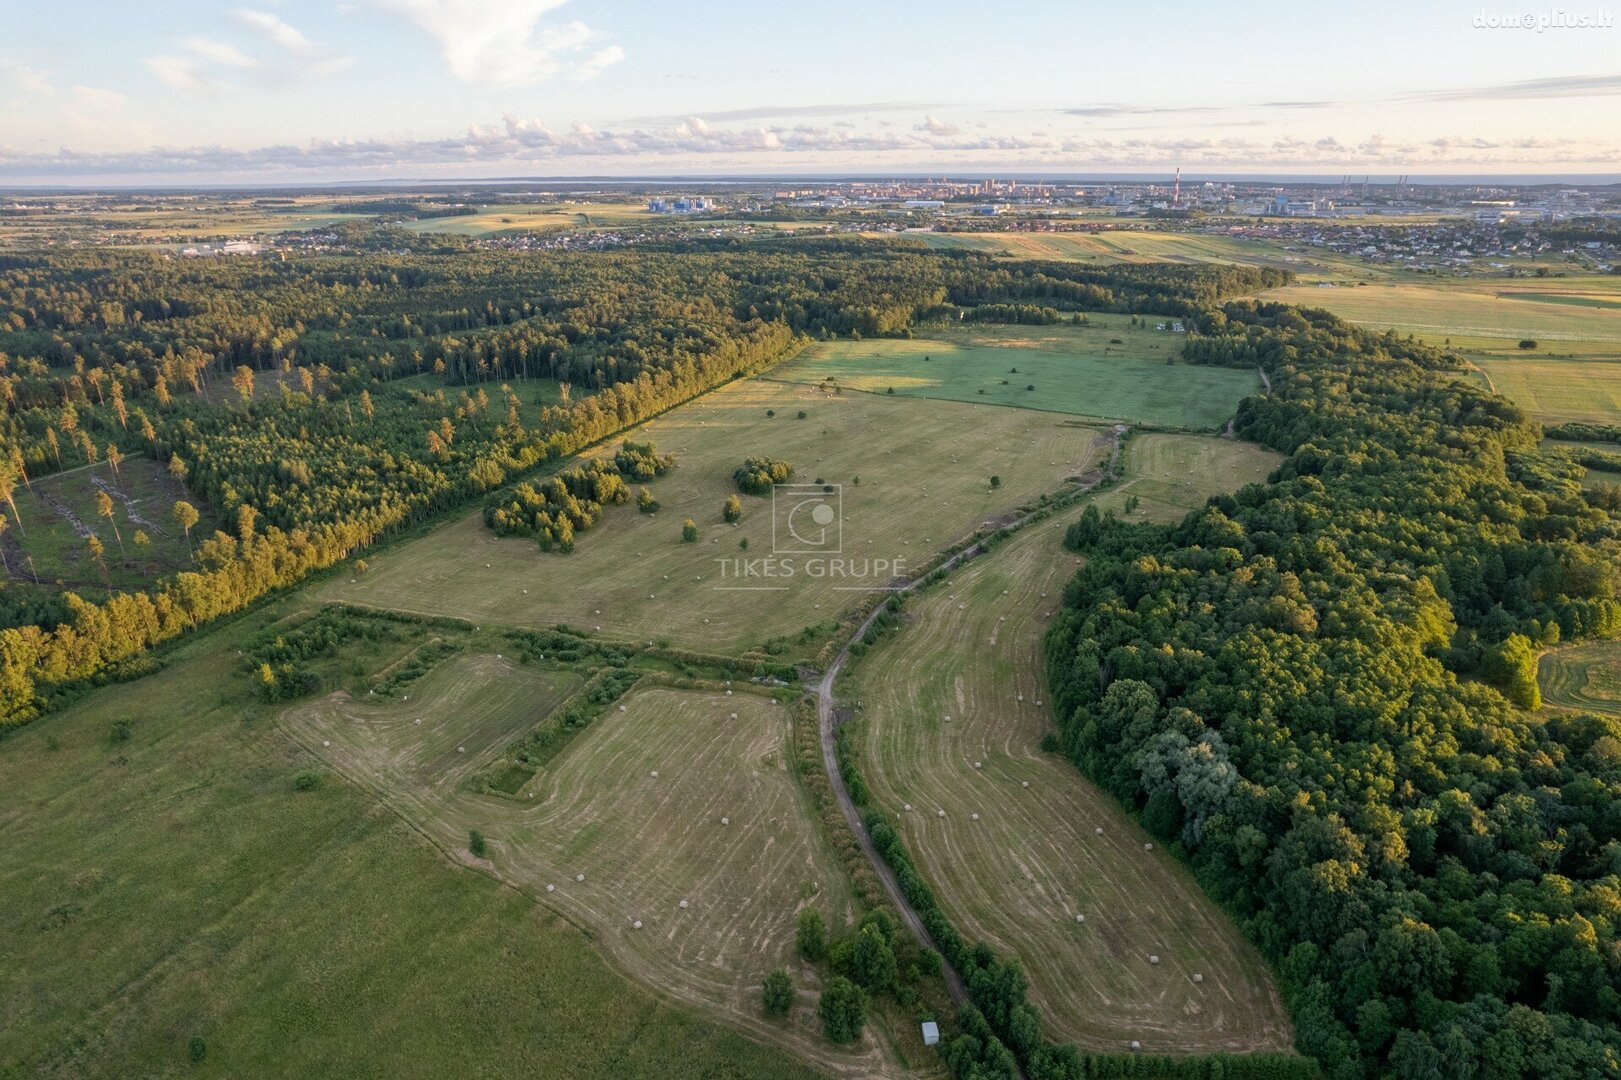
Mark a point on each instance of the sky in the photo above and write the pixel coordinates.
(98, 92)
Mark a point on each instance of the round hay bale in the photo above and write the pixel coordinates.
(1135, 1046)
(728, 693)
(579, 877)
(598, 611)
(654, 774)
(1098, 830)
(1153, 959)
(418, 720)
(326, 742)
(1079, 917)
(1198, 978)
(1026, 783)
(725, 821)
(979, 764)
(621, 708)
(461, 749)
(908, 806)
(973, 817)
(1148, 847)
(939, 813)
(734, 716)
(637, 925)
(551, 888)
(683, 905)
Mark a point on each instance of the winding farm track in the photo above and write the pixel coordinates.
(828, 726)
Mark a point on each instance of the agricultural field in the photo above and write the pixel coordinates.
(1108, 369)
(1130, 246)
(59, 513)
(1583, 677)
(1168, 475)
(537, 217)
(633, 578)
(1555, 390)
(950, 715)
(175, 904)
(1484, 318)
(696, 845)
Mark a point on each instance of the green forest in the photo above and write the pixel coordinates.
(1317, 688)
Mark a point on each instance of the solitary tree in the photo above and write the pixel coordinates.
(996, 481)
(242, 382)
(778, 993)
(104, 507)
(476, 844)
(8, 489)
(185, 516)
(98, 555)
(812, 937)
(689, 531)
(733, 510)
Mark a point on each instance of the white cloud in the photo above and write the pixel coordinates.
(180, 73)
(935, 126)
(506, 42)
(275, 49)
(29, 80)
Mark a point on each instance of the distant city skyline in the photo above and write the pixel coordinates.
(268, 92)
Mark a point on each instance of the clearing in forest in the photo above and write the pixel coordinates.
(696, 845)
(1583, 677)
(951, 712)
(1105, 368)
(61, 511)
(912, 476)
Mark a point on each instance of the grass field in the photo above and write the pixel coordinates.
(1168, 475)
(176, 886)
(1583, 677)
(1484, 318)
(924, 471)
(1553, 390)
(1134, 246)
(1074, 369)
(59, 512)
(537, 217)
(951, 714)
(682, 796)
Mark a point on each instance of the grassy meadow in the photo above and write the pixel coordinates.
(951, 715)
(1107, 369)
(1583, 677)
(176, 905)
(680, 796)
(915, 476)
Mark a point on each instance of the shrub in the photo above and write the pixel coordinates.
(733, 510)
(1528, 343)
(778, 993)
(811, 939)
(689, 531)
(476, 844)
(307, 780)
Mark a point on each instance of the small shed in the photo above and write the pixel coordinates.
(931, 1033)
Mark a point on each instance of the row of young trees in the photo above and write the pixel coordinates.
(1316, 690)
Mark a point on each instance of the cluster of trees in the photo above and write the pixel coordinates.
(872, 959)
(553, 510)
(1314, 689)
(758, 475)
(278, 657)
